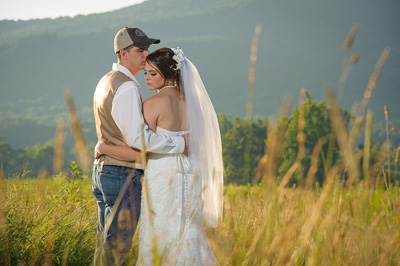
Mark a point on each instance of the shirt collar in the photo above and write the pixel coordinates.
(124, 70)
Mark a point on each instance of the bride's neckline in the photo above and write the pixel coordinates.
(160, 89)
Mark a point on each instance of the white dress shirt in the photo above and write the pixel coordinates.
(127, 113)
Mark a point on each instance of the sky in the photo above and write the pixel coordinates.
(34, 9)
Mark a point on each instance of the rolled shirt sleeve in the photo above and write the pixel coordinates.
(127, 113)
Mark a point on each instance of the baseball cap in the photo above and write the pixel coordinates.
(128, 36)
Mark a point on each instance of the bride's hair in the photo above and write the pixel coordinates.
(162, 59)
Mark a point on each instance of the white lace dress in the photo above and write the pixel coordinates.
(171, 225)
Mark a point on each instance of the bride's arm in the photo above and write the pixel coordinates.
(123, 153)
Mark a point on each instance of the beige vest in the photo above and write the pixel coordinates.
(107, 130)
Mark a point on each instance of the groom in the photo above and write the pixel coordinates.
(117, 107)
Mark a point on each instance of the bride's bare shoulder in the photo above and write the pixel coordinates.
(157, 101)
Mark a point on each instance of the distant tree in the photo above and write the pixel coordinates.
(8, 158)
(32, 159)
(243, 144)
(224, 124)
(317, 125)
(43, 158)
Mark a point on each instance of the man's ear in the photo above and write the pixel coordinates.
(122, 52)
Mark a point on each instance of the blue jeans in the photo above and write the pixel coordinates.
(113, 246)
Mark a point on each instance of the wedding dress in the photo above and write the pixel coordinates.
(171, 226)
(180, 192)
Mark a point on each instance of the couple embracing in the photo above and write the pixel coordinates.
(183, 178)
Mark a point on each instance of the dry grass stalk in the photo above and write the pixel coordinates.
(252, 70)
(354, 132)
(348, 62)
(250, 100)
(274, 143)
(385, 177)
(307, 95)
(262, 163)
(260, 168)
(348, 65)
(367, 146)
(297, 165)
(285, 180)
(58, 161)
(301, 137)
(358, 116)
(372, 80)
(255, 244)
(350, 38)
(388, 142)
(354, 58)
(2, 202)
(307, 241)
(41, 185)
(342, 137)
(395, 162)
(314, 161)
(353, 112)
(81, 150)
(379, 160)
(261, 228)
(328, 185)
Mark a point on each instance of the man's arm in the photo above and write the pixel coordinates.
(122, 153)
(127, 113)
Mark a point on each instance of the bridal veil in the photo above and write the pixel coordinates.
(204, 139)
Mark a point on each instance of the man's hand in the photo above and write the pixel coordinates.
(186, 138)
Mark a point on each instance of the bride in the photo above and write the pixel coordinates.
(180, 192)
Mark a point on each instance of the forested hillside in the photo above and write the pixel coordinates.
(300, 46)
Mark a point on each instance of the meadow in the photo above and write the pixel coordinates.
(351, 218)
(53, 222)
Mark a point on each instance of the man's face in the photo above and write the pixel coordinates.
(136, 58)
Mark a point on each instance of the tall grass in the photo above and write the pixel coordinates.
(53, 222)
(335, 226)
(48, 220)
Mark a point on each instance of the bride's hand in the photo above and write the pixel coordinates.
(186, 138)
(97, 152)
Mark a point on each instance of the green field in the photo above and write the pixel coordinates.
(53, 222)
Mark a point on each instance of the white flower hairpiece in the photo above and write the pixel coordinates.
(178, 57)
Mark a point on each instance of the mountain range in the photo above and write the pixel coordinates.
(300, 47)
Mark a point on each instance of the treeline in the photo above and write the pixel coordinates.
(308, 129)
(29, 161)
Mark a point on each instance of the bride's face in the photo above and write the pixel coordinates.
(153, 77)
